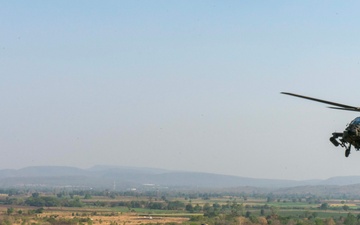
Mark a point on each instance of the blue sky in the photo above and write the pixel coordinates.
(181, 85)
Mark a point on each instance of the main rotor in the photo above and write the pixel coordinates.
(338, 105)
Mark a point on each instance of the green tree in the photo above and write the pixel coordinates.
(87, 196)
(197, 208)
(324, 206)
(262, 212)
(210, 211)
(319, 221)
(254, 219)
(59, 195)
(237, 210)
(189, 208)
(39, 210)
(274, 210)
(175, 205)
(350, 219)
(9, 210)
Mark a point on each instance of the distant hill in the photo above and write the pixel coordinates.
(130, 176)
(135, 177)
(348, 180)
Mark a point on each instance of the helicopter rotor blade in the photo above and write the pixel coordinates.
(347, 109)
(340, 106)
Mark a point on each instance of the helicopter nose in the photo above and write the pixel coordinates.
(351, 132)
(347, 133)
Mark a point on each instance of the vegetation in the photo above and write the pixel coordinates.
(192, 208)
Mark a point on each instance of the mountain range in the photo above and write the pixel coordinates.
(125, 178)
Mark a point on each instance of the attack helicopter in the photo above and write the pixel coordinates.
(351, 135)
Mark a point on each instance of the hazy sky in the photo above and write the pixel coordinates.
(180, 85)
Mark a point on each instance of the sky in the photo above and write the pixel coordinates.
(179, 85)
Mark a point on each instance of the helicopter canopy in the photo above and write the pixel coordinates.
(356, 121)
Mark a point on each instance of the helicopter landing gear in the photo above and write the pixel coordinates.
(347, 151)
(338, 140)
(334, 139)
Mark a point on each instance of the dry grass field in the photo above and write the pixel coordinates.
(87, 216)
(125, 218)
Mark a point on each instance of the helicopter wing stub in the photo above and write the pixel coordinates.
(340, 106)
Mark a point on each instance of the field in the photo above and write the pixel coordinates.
(173, 210)
(88, 216)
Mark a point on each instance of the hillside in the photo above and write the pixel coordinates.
(133, 177)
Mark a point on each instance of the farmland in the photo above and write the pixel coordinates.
(105, 207)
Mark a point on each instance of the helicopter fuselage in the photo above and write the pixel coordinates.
(351, 134)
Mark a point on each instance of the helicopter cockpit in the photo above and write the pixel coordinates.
(356, 121)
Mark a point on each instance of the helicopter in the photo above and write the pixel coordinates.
(351, 135)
